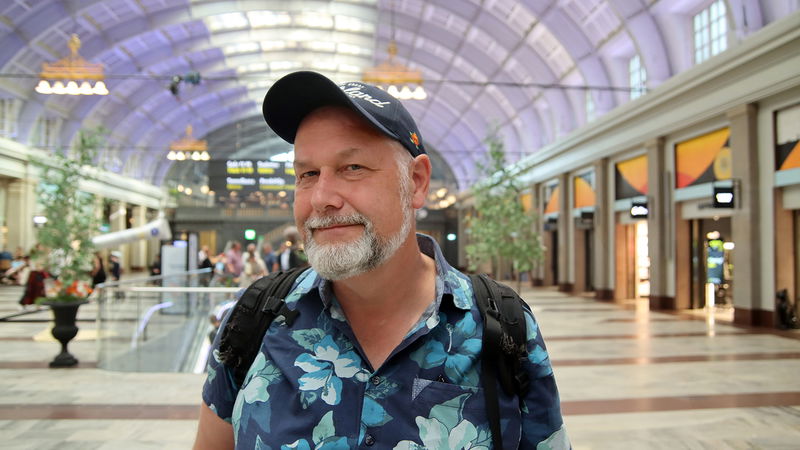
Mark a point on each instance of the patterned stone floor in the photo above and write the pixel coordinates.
(629, 378)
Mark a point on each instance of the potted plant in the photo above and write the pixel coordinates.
(65, 238)
(501, 229)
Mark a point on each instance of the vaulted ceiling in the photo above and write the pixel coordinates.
(524, 67)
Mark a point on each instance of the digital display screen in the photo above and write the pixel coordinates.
(248, 176)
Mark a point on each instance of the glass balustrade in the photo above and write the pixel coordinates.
(160, 324)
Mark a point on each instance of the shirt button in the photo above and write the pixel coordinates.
(376, 380)
(369, 440)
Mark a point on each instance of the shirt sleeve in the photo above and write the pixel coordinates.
(542, 424)
(220, 389)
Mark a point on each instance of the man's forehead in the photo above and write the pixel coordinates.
(306, 158)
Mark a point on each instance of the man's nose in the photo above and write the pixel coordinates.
(327, 193)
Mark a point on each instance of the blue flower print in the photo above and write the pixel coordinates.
(446, 428)
(454, 346)
(537, 355)
(323, 436)
(261, 375)
(325, 370)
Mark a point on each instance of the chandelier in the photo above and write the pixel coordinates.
(397, 79)
(72, 75)
(188, 148)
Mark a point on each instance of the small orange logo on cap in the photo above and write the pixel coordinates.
(415, 139)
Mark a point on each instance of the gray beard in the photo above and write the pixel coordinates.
(344, 260)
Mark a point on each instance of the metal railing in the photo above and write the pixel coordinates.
(159, 324)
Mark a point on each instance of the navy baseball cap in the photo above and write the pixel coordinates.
(296, 95)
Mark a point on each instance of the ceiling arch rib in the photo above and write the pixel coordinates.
(163, 166)
(646, 35)
(156, 141)
(420, 42)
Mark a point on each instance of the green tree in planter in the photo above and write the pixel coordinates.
(500, 229)
(71, 221)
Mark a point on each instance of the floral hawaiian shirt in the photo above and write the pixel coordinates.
(311, 385)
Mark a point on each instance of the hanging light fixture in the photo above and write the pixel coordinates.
(188, 148)
(72, 75)
(397, 79)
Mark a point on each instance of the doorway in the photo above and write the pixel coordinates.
(583, 257)
(632, 259)
(712, 263)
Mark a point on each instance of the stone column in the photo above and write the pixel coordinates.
(659, 219)
(138, 259)
(746, 220)
(565, 241)
(602, 265)
(20, 208)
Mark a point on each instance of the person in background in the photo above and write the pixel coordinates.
(202, 256)
(98, 270)
(155, 268)
(268, 256)
(18, 273)
(34, 284)
(234, 260)
(115, 270)
(113, 265)
(253, 268)
(5, 261)
(251, 248)
(292, 255)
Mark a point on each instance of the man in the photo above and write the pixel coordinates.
(290, 256)
(268, 256)
(235, 260)
(385, 350)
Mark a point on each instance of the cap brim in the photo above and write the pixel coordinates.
(296, 95)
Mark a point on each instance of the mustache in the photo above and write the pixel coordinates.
(329, 221)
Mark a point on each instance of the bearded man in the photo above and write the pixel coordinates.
(385, 350)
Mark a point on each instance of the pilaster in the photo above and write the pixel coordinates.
(746, 220)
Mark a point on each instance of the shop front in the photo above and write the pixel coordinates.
(704, 194)
(631, 253)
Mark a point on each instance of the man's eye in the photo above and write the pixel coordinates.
(310, 173)
(354, 167)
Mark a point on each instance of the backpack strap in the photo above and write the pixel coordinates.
(504, 344)
(250, 318)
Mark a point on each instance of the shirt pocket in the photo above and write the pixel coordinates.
(426, 394)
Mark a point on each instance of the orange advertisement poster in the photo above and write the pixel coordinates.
(631, 178)
(584, 191)
(703, 159)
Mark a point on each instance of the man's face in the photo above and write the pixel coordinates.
(351, 205)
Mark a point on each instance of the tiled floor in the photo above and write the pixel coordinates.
(629, 379)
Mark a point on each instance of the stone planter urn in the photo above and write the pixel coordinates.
(64, 314)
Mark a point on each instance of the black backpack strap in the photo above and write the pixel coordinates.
(250, 318)
(504, 343)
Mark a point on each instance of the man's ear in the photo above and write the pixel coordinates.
(421, 177)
